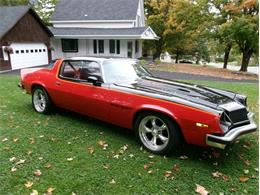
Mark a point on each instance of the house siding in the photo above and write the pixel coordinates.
(85, 48)
(94, 25)
(27, 30)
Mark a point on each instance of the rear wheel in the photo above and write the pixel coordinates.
(41, 101)
(157, 133)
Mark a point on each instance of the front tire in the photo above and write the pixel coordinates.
(157, 133)
(41, 101)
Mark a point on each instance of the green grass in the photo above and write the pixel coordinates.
(68, 135)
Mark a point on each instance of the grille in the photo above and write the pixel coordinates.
(238, 116)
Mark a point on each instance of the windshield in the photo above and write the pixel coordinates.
(122, 71)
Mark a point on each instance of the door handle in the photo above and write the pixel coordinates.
(57, 83)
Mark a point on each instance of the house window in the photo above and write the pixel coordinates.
(98, 46)
(101, 46)
(136, 46)
(118, 47)
(69, 45)
(112, 46)
(95, 46)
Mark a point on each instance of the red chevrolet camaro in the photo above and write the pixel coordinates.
(120, 91)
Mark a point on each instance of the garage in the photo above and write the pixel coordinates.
(24, 39)
(28, 55)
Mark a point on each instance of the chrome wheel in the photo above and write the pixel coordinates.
(39, 100)
(154, 133)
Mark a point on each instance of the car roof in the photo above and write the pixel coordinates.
(101, 59)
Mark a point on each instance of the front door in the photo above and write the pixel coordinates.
(130, 49)
(75, 93)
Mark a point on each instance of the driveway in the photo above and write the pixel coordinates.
(193, 77)
(250, 69)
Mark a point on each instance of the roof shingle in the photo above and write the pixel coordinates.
(95, 10)
(9, 16)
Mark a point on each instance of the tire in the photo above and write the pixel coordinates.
(41, 100)
(157, 133)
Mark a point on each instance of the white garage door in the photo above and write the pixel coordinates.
(28, 55)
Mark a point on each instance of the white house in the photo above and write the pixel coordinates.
(107, 28)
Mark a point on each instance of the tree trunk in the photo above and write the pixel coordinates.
(226, 57)
(245, 60)
(177, 57)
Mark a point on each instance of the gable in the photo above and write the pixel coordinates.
(67, 10)
(9, 16)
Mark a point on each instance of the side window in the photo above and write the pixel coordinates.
(80, 70)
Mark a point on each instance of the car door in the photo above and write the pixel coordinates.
(75, 93)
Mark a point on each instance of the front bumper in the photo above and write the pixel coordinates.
(229, 137)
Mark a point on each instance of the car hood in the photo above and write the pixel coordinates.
(209, 97)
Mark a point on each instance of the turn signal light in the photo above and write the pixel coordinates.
(202, 125)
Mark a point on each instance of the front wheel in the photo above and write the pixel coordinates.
(41, 101)
(157, 133)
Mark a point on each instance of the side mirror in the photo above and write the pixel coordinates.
(94, 80)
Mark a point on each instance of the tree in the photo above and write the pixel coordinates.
(244, 28)
(44, 8)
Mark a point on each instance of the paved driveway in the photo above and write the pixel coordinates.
(193, 77)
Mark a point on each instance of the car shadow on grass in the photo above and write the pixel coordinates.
(196, 153)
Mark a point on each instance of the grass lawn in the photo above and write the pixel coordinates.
(71, 153)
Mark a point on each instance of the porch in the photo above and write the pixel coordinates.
(102, 42)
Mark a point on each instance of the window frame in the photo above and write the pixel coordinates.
(65, 50)
(61, 68)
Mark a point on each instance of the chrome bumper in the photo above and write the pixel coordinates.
(229, 137)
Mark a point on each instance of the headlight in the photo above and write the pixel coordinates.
(225, 122)
(241, 99)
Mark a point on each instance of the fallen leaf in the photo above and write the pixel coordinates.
(31, 140)
(147, 166)
(69, 143)
(243, 179)
(116, 156)
(69, 159)
(246, 171)
(12, 159)
(34, 192)
(73, 193)
(40, 158)
(225, 178)
(125, 147)
(15, 139)
(41, 136)
(247, 162)
(106, 166)
(232, 189)
(29, 152)
(167, 174)
(20, 162)
(48, 166)
(28, 184)
(101, 133)
(150, 172)
(151, 156)
(101, 143)
(201, 190)
(131, 155)
(184, 157)
(13, 169)
(217, 174)
(37, 173)
(215, 163)
(256, 169)
(5, 139)
(112, 181)
(91, 150)
(50, 190)
(141, 148)
(176, 168)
